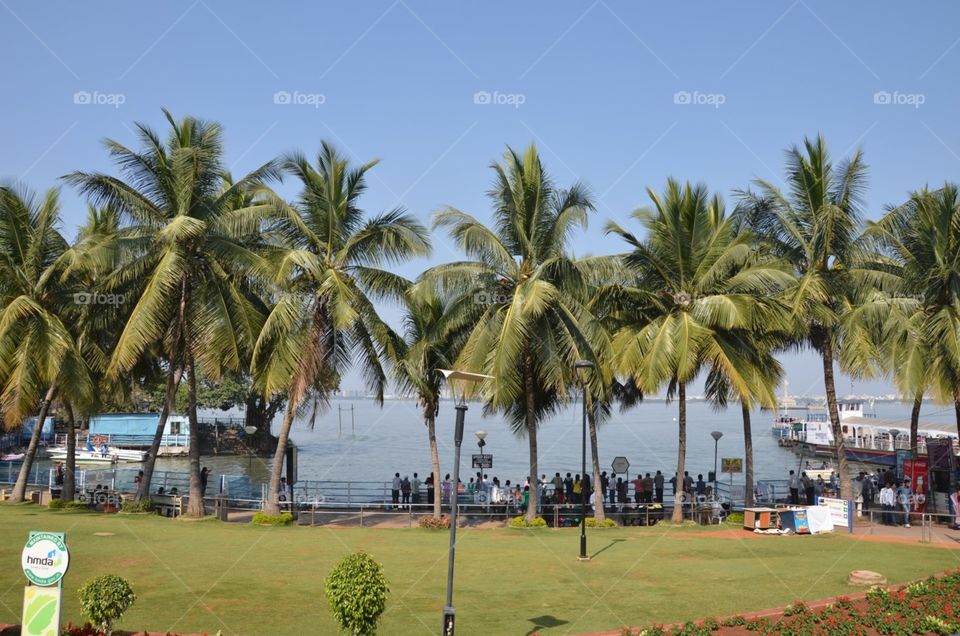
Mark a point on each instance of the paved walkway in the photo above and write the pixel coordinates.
(937, 534)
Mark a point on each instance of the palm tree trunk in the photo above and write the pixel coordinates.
(956, 406)
(681, 454)
(846, 487)
(195, 507)
(598, 512)
(748, 455)
(915, 424)
(20, 488)
(173, 383)
(434, 456)
(68, 487)
(531, 435)
(272, 505)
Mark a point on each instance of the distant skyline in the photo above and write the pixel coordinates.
(616, 94)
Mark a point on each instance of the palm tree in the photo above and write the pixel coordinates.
(188, 260)
(814, 226)
(531, 321)
(921, 240)
(329, 275)
(696, 288)
(39, 356)
(434, 329)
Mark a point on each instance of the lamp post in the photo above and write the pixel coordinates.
(893, 439)
(250, 431)
(583, 366)
(449, 613)
(716, 435)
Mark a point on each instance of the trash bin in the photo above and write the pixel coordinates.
(220, 506)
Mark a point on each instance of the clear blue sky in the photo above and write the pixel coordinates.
(597, 82)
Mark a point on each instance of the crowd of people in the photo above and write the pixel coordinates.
(615, 491)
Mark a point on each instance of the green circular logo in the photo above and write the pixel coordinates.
(45, 558)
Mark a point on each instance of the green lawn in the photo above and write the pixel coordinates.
(205, 576)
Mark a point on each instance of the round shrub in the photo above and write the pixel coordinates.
(735, 518)
(606, 523)
(357, 591)
(103, 600)
(129, 505)
(521, 522)
(443, 523)
(56, 504)
(263, 519)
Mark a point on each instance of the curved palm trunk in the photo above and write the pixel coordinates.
(598, 512)
(748, 456)
(68, 488)
(681, 454)
(173, 383)
(272, 505)
(195, 506)
(839, 447)
(915, 424)
(956, 406)
(531, 436)
(434, 456)
(20, 488)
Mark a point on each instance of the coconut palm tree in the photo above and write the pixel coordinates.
(696, 288)
(532, 324)
(814, 226)
(39, 356)
(188, 261)
(434, 330)
(328, 276)
(921, 239)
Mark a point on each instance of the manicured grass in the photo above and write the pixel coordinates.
(205, 576)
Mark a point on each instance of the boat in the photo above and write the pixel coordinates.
(11, 457)
(867, 439)
(89, 455)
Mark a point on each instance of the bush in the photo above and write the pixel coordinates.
(75, 505)
(263, 519)
(521, 522)
(357, 591)
(735, 518)
(56, 504)
(443, 523)
(606, 523)
(129, 505)
(103, 600)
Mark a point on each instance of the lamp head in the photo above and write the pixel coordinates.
(481, 435)
(716, 435)
(250, 430)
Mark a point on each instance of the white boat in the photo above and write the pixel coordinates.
(12, 457)
(87, 456)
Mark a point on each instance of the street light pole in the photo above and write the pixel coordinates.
(448, 611)
(716, 435)
(583, 365)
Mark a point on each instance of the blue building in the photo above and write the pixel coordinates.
(136, 430)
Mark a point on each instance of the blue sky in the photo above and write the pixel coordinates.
(616, 94)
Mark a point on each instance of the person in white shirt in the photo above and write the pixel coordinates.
(793, 482)
(887, 501)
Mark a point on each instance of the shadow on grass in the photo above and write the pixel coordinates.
(606, 547)
(544, 622)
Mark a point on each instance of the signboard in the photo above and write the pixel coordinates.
(840, 511)
(483, 461)
(45, 558)
(940, 454)
(731, 465)
(41, 611)
(917, 475)
(620, 465)
(901, 456)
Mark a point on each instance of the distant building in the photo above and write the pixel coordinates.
(46, 433)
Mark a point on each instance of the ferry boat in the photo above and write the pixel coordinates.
(867, 439)
(102, 455)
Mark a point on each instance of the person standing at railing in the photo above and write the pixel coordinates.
(905, 500)
(793, 483)
(887, 502)
(415, 489)
(405, 490)
(395, 489)
(658, 487)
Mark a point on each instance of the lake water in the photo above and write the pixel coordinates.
(377, 442)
